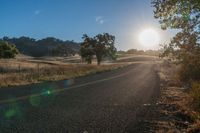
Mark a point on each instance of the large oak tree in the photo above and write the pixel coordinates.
(102, 45)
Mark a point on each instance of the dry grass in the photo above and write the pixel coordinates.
(168, 73)
(195, 95)
(20, 72)
(195, 128)
(177, 103)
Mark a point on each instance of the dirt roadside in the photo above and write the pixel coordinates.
(173, 111)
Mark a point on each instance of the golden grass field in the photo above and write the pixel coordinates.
(27, 70)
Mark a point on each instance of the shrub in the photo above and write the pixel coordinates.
(190, 66)
(7, 50)
(195, 94)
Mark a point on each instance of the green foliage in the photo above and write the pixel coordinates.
(183, 15)
(49, 46)
(62, 50)
(86, 50)
(101, 46)
(131, 51)
(142, 52)
(179, 14)
(7, 50)
(190, 69)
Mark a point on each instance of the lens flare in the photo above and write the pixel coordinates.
(10, 113)
(35, 100)
(13, 111)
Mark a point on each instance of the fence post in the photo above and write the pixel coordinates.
(19, 68)
(38, 69)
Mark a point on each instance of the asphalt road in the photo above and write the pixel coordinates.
(110, 102)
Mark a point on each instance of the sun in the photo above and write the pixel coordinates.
(149, 38)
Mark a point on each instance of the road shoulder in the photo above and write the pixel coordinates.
(173, 112)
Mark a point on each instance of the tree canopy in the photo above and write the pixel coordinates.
(102, 45)
(183, 15)
(49, 46)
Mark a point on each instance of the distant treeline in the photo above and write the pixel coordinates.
(45, 47)
(140, 52)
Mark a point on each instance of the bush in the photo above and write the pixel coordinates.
(190, 68)
(7, 50)
(195, 94)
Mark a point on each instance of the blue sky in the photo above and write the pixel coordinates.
(70, 19)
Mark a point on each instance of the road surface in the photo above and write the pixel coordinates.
(110, 102)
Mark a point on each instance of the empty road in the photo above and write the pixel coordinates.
(110, 102)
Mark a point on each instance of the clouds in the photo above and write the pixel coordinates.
(100, 20)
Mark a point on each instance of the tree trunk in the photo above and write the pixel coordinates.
(98, 62)
(98, 59)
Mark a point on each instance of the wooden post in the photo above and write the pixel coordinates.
(38, 69)
(19, 68)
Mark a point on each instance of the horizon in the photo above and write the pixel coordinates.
(69, 20)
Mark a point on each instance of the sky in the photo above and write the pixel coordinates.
(70, 19)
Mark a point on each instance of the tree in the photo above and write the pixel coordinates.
(7, 50)
(86, 50)
(183, 15)
(104, 47)
(45, 47)
(101, 46)
(132, 51)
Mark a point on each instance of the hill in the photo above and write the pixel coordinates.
(49, 46)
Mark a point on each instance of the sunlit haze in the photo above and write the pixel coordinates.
(99, 66)
(149, 38)
(69, 20)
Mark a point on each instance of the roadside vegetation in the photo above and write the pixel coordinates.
(20, 72)
(184, 49)
(26, 71)
(25, 60)
(138, 52)
(7, 50)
